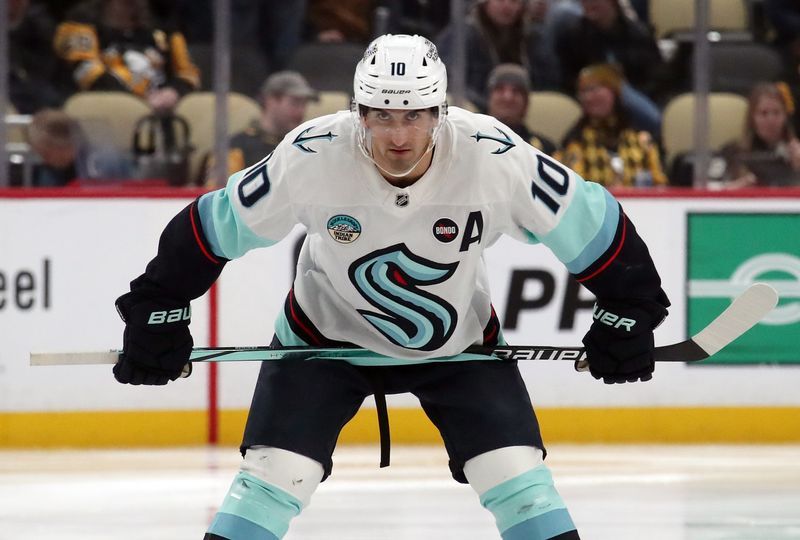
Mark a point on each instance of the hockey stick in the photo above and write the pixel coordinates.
(743, 313)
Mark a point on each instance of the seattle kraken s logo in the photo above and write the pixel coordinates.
(410, 317)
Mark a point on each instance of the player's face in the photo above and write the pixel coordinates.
(769, 118)
(400, 138)
(508, 103)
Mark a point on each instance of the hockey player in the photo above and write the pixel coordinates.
(400, 197)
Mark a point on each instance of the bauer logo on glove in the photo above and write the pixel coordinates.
(619, 344)
(173, 315)
(156, 343)
(612, 320)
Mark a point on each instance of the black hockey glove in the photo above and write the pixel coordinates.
(156, 343)
(619, 344)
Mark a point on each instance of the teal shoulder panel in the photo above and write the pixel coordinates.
(587, 228)
(226, 232)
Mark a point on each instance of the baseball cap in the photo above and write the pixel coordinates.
(288, 83)
(513, 74)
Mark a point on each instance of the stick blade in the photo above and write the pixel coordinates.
(74, 358)
(743, 313)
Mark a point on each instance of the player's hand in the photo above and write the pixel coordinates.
(619, 344)
(156, 344)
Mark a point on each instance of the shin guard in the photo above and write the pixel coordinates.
(273, 486)
(516, 486)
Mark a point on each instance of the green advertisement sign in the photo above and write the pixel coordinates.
(728, 252)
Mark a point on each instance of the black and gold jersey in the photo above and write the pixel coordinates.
(97, 57)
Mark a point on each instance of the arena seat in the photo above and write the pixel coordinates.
(737, 66)
(107, 116)
(676, 17)
(465, 103)
(726, 114)
(17, 148)
(329, 102)
(552, 114)
(16, 124)
(198, 109)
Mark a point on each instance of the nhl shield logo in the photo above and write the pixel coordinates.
(344, 229)
(401, 200)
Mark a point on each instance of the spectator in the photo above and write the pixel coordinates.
(31, 60)
(784, 17)
(768, 152)
(558, 14)
(64, 153)
(58, 8)
(536, 10)
(284, 97)
(164, 12)
(55, 139)
(273, 28)
(608, 33)
(422, 17)
(339, 21)
(602, 146)
(114, 45)
(640, 8)
(509, 92)
(497, 32)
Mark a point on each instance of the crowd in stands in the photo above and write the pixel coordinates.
(617, 61)
(604, 144)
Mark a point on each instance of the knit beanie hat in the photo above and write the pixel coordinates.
(608, 75)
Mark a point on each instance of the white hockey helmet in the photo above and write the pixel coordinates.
(400, 72)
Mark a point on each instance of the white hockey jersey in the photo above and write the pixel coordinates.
(399, 271)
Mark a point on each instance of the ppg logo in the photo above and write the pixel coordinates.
(753, 270)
